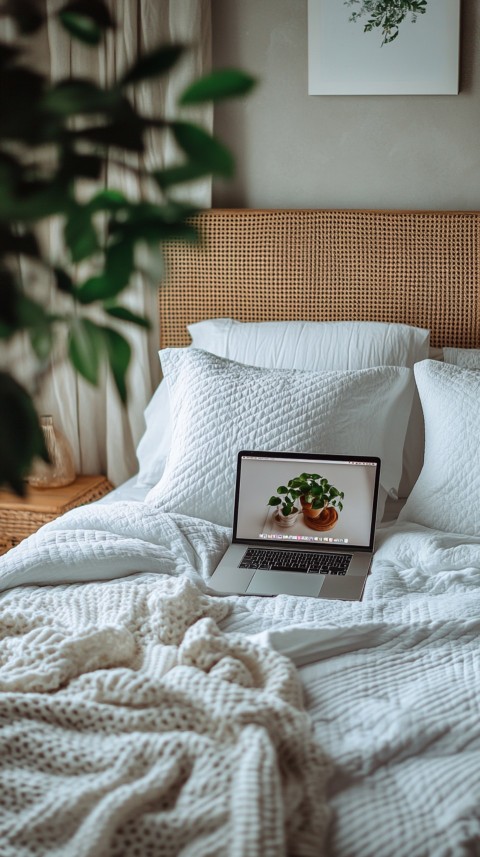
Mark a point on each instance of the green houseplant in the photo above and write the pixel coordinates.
(287, 511)
(54, 138)
(316, 495)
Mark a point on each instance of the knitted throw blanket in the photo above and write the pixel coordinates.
(131, 725)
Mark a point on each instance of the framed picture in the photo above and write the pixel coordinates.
(420, 58)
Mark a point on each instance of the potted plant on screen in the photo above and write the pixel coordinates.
(320, 501)
(287, 512)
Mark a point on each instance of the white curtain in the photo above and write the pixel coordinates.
(102, 432)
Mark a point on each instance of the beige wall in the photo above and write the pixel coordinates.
(300, 151)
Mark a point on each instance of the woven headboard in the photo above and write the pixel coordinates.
(416, 267)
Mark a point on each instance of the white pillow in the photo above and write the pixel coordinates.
(325, 345)
(312, 345)
(447, 494)
(154, 445)
(295, 345)
(220, 407)
(468, 358)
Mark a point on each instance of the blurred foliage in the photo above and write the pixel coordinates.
(53, 137)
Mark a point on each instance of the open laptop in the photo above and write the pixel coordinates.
(323, 554)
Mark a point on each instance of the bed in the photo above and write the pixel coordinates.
(143, 714)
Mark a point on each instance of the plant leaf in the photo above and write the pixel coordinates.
(125, 314)
(86, 20)
(204, 149)
(108, 200)
(153, 64)
(179, 174)
(222, 83)
(119, 353)
(70, 97)
(119, 264)
(80, 234)
(86, 346)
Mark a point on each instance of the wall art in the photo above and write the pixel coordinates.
(359, 47)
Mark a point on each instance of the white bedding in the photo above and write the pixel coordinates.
(392, 684)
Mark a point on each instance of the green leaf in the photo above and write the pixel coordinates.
(223, 83)
(21, 438)
(125, 314)
(97, 10)
(70, 97)
(274, 501)
(86, 346)
(153, 64)
(30, 313)
(171, 176)
(86, 20)
(119, 354)
(203, 148)
(282, 489)
(119, 264)
(80, 234)
(81, 27)
(108, 200)
(94, 289)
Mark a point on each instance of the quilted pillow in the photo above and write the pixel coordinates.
(447, 494)
(219, 407)
(318, 345)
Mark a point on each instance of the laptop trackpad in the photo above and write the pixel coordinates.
(284, 582)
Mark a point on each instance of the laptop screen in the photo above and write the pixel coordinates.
(299, 499)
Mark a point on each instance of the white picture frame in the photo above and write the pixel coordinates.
(345, 60)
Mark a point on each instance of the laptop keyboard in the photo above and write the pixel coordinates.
(303, 561)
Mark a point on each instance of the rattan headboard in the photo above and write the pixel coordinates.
(420, 268)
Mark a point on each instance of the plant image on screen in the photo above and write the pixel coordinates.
(319, 500)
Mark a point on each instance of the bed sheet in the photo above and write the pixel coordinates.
(391, 684)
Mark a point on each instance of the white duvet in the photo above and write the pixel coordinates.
(391, 684)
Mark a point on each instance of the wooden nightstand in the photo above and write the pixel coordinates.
(21, 516)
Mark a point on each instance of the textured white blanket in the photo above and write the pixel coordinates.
(131, 725)
(392, 683)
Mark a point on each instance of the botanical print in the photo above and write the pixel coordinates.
(386, 14)
(383, 47)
